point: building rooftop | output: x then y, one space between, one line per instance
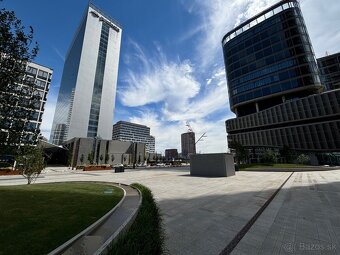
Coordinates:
262 16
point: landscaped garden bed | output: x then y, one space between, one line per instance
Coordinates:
146 234
37 218
97 167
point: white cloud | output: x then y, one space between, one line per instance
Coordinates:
322 20
159 80
168 135
219 17
212 99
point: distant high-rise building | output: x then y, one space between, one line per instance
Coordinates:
127 131
188 144
88 86
41 76
329 67
151 145
274 85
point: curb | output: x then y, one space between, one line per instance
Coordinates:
96 224
123 228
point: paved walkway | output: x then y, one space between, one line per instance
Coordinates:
202 215
304 218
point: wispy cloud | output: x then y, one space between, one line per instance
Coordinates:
159 80
174 96
217 18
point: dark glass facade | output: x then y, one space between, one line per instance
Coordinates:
274 85
329 67
98 82
269 59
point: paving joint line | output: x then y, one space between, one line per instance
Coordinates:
233 243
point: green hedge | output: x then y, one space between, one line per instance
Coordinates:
146 234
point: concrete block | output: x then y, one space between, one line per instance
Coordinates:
212 165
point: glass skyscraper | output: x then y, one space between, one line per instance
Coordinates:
330 71
274 85
269 59
87 93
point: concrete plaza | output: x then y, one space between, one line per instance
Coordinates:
202 215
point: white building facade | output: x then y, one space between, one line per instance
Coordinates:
88 87
131 132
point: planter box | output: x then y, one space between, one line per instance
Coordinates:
96 168
9 172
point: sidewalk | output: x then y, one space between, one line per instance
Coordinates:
304 218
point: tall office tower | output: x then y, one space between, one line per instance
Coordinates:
329 67
188 144
274 86
88 86
131 132
41 76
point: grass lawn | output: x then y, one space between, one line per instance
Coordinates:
37 218
267 165
145 236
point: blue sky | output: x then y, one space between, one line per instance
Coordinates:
171 65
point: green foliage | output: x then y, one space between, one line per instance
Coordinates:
112 158
101 158
38 218
81 158
287 154
269 156
303 159
90 157
30 162
240 152
17 103
106 158
146 235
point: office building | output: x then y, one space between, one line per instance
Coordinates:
127 131
41 77
274 85
171 154
151 145
87 151
329 67
88 86
188 144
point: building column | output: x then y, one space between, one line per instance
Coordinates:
257 107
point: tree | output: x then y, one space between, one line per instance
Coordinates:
82 158
269 156
241 153
90 157
302 159
101 158
287 154
30 163
17 102
112 158
106 158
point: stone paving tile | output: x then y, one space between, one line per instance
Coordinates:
305 221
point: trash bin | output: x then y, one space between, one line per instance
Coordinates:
119 169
